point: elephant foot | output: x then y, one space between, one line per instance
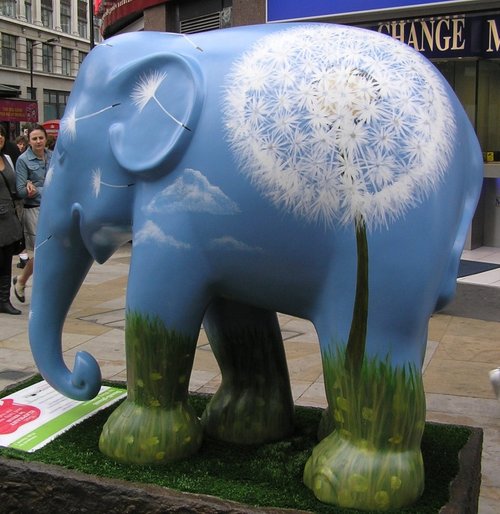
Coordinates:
351 474
248 417
138 434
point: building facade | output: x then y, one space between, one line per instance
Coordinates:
42 44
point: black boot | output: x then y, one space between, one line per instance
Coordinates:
5 306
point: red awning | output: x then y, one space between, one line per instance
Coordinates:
18 110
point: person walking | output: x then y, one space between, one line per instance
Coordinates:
10 226
31 169
22 144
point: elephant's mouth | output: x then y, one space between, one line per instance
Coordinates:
106 240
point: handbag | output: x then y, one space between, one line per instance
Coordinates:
18 246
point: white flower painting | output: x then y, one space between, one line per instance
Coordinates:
335 124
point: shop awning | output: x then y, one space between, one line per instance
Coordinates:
8 91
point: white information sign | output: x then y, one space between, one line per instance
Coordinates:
32 417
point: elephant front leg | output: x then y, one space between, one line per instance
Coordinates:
155 424
372 459
254 403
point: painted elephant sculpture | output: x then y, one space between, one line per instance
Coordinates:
322 171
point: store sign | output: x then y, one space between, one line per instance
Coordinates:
448 36
18 110
281 10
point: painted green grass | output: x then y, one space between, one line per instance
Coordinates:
254 402
373 459
266 475
155 423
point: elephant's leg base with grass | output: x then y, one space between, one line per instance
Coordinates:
372 458
254 403
155 424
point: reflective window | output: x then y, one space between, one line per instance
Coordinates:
54 103
82 18
9 54
477 85
488 107
66 61
8 8
47 58
47 14
66 16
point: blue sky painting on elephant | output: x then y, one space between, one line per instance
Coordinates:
258 170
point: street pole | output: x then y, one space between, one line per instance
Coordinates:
91 20
31 71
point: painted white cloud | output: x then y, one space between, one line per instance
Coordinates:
230 243
152 233
192 192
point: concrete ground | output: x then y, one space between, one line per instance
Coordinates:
461 351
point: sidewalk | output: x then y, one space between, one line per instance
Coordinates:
461 351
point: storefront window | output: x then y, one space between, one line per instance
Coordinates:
462 76
477 85
488 107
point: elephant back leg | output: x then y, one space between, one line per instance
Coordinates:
369 457
254 403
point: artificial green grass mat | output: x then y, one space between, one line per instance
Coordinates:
269 475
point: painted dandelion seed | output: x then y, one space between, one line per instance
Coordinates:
69 122
97 183
145 91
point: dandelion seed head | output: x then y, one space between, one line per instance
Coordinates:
68 123
48 176
146 88
96 182
359 142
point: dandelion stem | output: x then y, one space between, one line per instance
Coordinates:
356 343
172 117
115 185
192 43
97 112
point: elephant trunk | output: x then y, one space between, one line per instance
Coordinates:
61 265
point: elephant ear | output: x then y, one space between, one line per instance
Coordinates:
161 101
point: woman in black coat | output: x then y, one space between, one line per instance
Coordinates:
10 226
